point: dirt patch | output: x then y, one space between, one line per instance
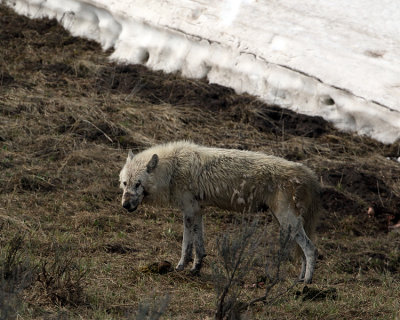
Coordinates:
356 187
135 79
280 122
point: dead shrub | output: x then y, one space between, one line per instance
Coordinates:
238 257
16 274
152 311
62 280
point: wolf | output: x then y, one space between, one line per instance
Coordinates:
188 176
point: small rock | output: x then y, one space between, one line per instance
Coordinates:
161 267
164 267
371 212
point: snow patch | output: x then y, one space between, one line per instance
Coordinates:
316 58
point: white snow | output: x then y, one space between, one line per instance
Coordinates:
337 59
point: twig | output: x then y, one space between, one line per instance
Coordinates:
220 309
273 299
276 277
99 130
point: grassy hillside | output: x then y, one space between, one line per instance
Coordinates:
69 250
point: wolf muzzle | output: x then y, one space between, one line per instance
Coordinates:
129 206
130 202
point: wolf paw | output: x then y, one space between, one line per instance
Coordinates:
195 272
179 267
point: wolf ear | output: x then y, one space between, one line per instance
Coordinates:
130 155
152 163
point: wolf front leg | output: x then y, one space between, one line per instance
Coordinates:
187 242
192 234
200 252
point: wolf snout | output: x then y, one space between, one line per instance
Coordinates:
129 206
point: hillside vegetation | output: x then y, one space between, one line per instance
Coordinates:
68 117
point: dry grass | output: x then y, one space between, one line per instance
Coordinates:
67 118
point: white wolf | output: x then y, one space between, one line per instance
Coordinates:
189 176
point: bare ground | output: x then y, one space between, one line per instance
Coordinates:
68 117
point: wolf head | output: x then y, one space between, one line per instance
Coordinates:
134 178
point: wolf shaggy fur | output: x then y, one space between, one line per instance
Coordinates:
188 176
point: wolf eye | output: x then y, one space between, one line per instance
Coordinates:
124 183
137 185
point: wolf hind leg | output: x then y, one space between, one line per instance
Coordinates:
309 252
310 255
292 223
303 268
